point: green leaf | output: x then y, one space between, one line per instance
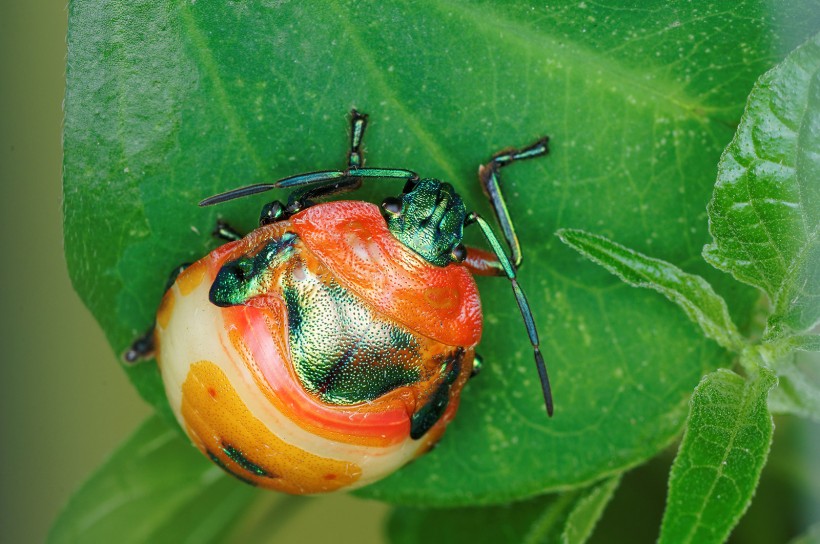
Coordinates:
155 488
168 102
798 387
692 293
568 518
587 511
727 440
765 212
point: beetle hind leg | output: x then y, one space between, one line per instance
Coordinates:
143 347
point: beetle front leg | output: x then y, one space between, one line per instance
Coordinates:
358 122
489 176
521 300
481 262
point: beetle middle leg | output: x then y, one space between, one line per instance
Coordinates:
489 176
223 231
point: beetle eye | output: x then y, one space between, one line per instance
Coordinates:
391 206
459 253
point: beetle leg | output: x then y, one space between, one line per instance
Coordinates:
481 262
478 365
325 177
355 159
521 299
224 231
489 176
299 200
143 347
271 213
358 122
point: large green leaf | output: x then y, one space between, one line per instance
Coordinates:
765 212
171 101
715 474
154 488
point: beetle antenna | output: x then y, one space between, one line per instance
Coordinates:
237 193
312 179
523 305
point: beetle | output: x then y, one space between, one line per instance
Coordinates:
329 347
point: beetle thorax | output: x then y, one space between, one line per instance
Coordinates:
430 221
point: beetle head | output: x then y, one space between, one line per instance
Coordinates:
429 219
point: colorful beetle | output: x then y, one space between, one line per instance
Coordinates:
329 347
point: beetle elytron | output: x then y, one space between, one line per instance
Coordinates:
329 347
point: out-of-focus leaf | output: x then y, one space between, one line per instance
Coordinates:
587 511
811 536
798 387
155 488
569 518
714 476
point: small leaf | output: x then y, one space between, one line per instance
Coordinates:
155 488
690 292
798 387
764 215
568 518
587 511
718 465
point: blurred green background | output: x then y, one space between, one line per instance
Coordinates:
64 402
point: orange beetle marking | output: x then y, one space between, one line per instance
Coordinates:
223 421
191 277
166 308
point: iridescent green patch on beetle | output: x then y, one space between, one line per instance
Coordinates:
239 458
227 469
341 349
249 276
430 221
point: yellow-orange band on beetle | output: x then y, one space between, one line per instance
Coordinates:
225 430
